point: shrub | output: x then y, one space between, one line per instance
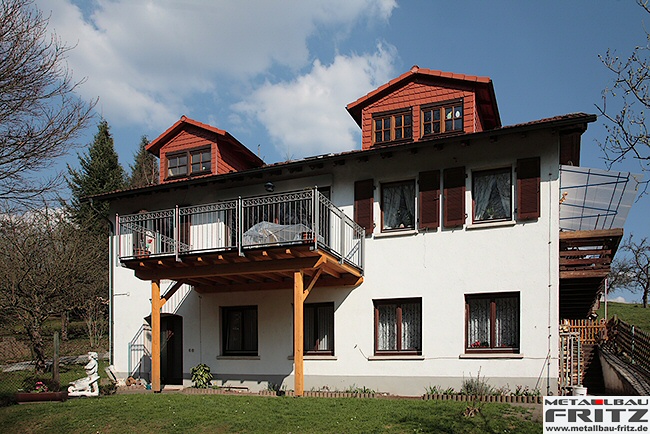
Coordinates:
107 387
362 389
201 376
476 386
438 390
34 383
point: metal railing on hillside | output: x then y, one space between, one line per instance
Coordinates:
630 342
298 217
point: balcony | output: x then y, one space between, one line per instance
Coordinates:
244 243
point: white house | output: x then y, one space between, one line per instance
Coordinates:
426 256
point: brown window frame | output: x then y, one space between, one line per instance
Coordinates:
311 349
247 348
442 122
500 170
392 129
200 152
472 347
173 156
398 319
410 182
188 154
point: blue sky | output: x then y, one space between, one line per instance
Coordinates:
278 74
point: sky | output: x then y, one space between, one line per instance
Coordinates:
278 75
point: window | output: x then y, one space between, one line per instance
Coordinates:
492 194
392 127
177 165
492 322
239 328
201 161
398 326
398 205
442 119
319 328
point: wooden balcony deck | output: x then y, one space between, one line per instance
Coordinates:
244 244
585 262
259 269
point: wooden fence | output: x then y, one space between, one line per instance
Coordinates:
631 342
590 331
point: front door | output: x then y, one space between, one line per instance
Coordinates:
171 349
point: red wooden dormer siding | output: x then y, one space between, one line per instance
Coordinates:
419 88
227 154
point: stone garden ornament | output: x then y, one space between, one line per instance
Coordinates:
88 386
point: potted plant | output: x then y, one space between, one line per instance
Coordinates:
41 392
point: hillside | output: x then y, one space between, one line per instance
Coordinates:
633 314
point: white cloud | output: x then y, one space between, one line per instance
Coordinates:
619 299
145 59
307 115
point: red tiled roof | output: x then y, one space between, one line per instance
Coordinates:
355 108
155 145
572 119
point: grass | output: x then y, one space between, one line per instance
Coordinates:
10 382
172 413
633 314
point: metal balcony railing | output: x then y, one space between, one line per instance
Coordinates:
298 217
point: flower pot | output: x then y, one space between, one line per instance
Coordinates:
141 253
22 397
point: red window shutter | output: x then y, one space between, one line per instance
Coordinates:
363 204
528 183
454 197
429 199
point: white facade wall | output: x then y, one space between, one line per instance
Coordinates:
440 267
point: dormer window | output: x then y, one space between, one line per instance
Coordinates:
200 163
392 127
443 118
177 165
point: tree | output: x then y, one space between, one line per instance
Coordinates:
40 113
144 171
100 172
632 272
45 267
626 124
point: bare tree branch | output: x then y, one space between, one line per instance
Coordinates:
40 114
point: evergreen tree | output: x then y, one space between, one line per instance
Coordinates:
100 172
144 171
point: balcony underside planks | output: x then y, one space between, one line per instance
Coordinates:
585 262
259 269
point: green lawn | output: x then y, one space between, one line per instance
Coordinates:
174 412
633 314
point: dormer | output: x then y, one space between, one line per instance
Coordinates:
191 149
423 104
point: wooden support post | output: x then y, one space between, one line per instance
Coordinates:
155 335
298 327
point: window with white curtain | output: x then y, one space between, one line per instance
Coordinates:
398 326
398 205
492 322
492 194
319 328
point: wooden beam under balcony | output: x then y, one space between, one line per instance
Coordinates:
585 262
267 269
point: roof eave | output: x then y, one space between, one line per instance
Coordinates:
571 121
